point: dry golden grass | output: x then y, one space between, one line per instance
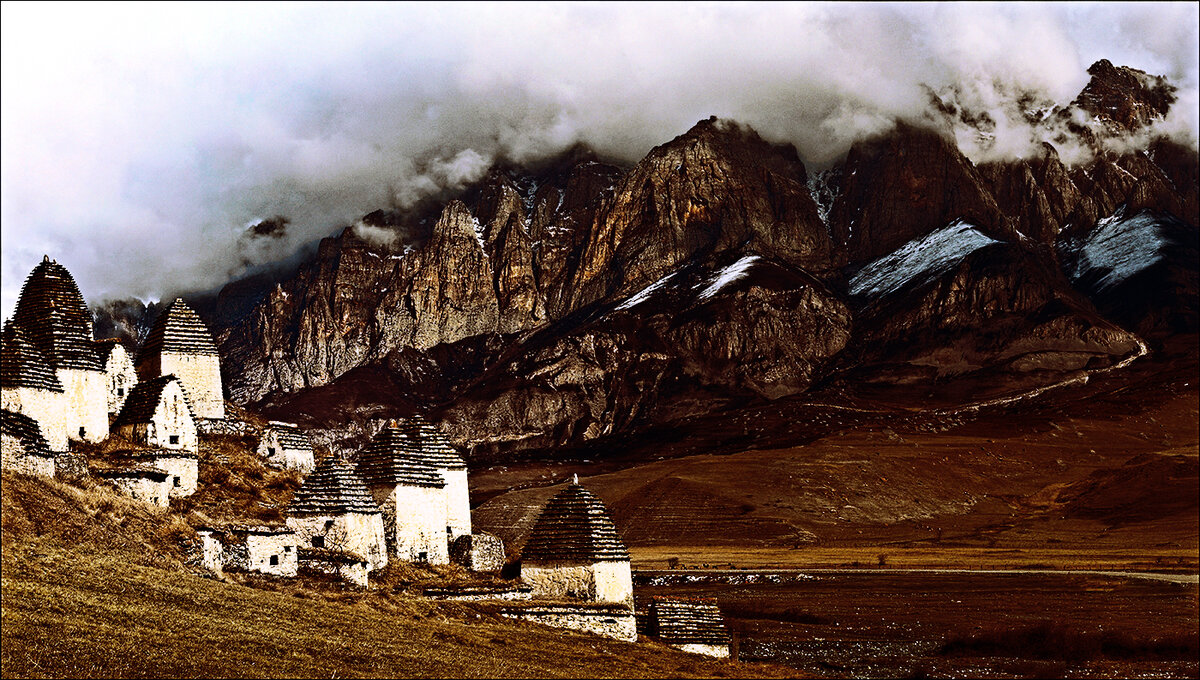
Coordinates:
103 617
98 585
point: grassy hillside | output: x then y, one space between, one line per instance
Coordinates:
1106 482
98 585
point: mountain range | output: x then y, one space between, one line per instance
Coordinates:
572 304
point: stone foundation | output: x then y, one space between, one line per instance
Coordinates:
346 566
613 622
719 651
480 593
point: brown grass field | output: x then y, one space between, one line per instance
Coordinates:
96 585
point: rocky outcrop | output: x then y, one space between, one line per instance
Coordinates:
719 187
751 329
904 184
556 305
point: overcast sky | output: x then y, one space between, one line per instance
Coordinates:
139 141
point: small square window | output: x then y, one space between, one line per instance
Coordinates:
449 530
318 541
270 450
287 548
274 560
422 556
120 391
177 484
82 431
174 439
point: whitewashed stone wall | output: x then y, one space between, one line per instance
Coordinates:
48 408
212 552
354 532
719 651
599 582
121 377
267 552
458 503
86 395
351 571
13 457
616 623
152 488
282 457
183 470
201 378
414 519
171 419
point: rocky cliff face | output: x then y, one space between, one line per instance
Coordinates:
566 303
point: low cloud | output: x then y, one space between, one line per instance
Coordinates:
138 150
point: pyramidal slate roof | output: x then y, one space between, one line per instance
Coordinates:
574 526
290 436
55 318
143 400
687 621
22 365
178 329
332 489
394 457
26 430
427 443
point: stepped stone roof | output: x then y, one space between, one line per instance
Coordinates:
55 318
143 401
393 457
332 489
574 527
26 430
687 621
427 443
22 365
178 329
105 347
290 436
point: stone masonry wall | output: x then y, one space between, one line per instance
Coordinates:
279 456
458 503
598 582
354 532
185 469
201 378
414 522
143 489
172 418
121 378
13 457
86 395
478 552
351 572
48 408
619 625
719 651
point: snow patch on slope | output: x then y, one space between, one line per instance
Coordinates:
645 293
727 276
933 253
1120 246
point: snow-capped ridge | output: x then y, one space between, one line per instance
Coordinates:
933 253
